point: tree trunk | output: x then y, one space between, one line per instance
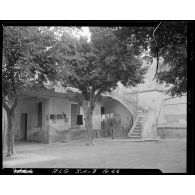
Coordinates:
10 133
88 114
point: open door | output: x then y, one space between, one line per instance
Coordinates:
23 126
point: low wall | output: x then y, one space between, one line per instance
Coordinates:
69 135
35 135
38 135
170 132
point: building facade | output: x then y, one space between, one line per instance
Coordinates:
144 112
49 116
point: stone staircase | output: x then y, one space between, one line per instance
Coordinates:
127 100
130 101
136 130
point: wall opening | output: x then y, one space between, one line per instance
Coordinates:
102 110
75 110
39 114
23 126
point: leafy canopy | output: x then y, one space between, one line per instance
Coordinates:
27 59
172 43
170 38
97 66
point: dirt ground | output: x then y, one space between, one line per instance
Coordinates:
166 155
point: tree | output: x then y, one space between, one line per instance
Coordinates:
171 38
96 67
167 40
27 63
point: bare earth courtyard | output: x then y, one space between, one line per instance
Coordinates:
166 155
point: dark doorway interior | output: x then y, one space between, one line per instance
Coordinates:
39 114
23 126
75 110
102 110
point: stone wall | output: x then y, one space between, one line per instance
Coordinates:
169 132
173 111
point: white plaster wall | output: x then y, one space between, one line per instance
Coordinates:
173 106
175 109
29 106
96 120
111 106
149 130
114 106
150 99
59 106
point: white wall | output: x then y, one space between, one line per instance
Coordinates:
114 106
29 106
150 99
175 107
59 106
96 120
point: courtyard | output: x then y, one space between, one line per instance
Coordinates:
167 155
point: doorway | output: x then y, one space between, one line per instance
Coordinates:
39 114
102 110
75 110
23 126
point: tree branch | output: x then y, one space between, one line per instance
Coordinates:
156 47
98 95
13 84
14 105
92 97
5 105
124 62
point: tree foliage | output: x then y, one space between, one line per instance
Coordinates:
27 63
170 40
97 66
172 44
25 54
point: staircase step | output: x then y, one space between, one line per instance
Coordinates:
135 134
137 130
134 137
